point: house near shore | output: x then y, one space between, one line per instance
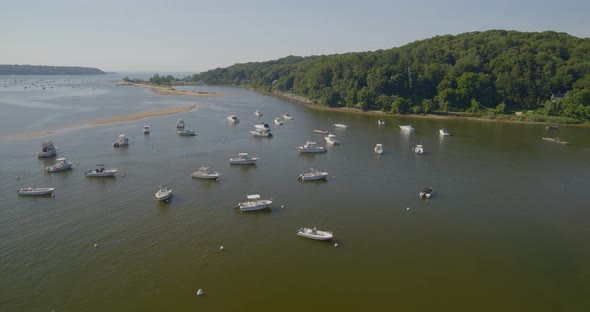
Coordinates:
557 96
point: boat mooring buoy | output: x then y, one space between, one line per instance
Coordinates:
221 247
282 206
335 244
199 292
408 208
95 245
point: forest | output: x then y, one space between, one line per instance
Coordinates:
489 74
48 70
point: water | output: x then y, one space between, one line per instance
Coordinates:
506 230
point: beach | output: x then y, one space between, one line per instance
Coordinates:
170 90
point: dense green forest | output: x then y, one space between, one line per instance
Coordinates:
48 70
479 73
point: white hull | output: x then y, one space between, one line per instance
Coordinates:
288 117
35 191
47 154
187 133
253 206
313 176
311 150
206 176
164 195
233 118
265 134
320 131
104 173
278 122
343 126
406 128
239 161
58 168
315 234
378 149
444 132
331 139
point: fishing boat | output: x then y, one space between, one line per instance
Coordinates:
331 139
381 122
258 113
260 133
206 173
315 234
263 126
243 159
187 132
254 203
378 149
61 164
444 132
122 140
320 131
418 149
35 191
47 149
287 117
100 171
163 194
311 147
233 118
555 140
426 192
552 127
180 123
406 128
343 126
313 175
278 122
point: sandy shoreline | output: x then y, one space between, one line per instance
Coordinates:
171 90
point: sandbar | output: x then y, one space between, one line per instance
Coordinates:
171 91
167 111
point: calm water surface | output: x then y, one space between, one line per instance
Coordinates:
507 228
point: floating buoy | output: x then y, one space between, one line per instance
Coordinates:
282 206
335 244
95 245
199 292
122 175
52 195
18 178
221 247
408 208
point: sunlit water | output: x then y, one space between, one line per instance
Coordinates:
506 230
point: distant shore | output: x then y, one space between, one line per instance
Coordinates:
170 90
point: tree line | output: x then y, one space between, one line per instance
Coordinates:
48 70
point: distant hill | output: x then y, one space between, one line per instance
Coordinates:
495 71
48 70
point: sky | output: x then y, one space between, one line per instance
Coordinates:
193 36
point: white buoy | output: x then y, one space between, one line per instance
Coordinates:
408 208
122 175
95 245
335 244
199 292
52 195
221 247
282 206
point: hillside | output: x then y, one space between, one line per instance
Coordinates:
48 70
495 71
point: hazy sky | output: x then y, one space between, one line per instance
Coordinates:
176 35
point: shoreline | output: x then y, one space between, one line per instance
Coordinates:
170 90
311 105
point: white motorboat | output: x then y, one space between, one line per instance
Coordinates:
378 149
406 128
260 133
418 149
313 175
243 159
311 147
444 132
61 164
206 173
146 129
180 123
343 126
315 234
254 203
287 117
35 191
233 118
381 122
47 149
262 127
426 192
258 113
331 139
555 140
187 132
100 171
320 131
278 122
164 193
122 140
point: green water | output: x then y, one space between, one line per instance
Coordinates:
506 230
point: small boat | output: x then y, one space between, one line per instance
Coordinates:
164 193
315 234
187 132
180 123
552 128
100 171
233 118
278 122
381 122
313 175
406 128
47 149
243 159
555 140
262 127
444 132
122 140
206 173
61 164
35 191
260 133
287 117
146 129
378 149
426 192
311 147
254 203
418 149
258 113
319 131
331 139
340 126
